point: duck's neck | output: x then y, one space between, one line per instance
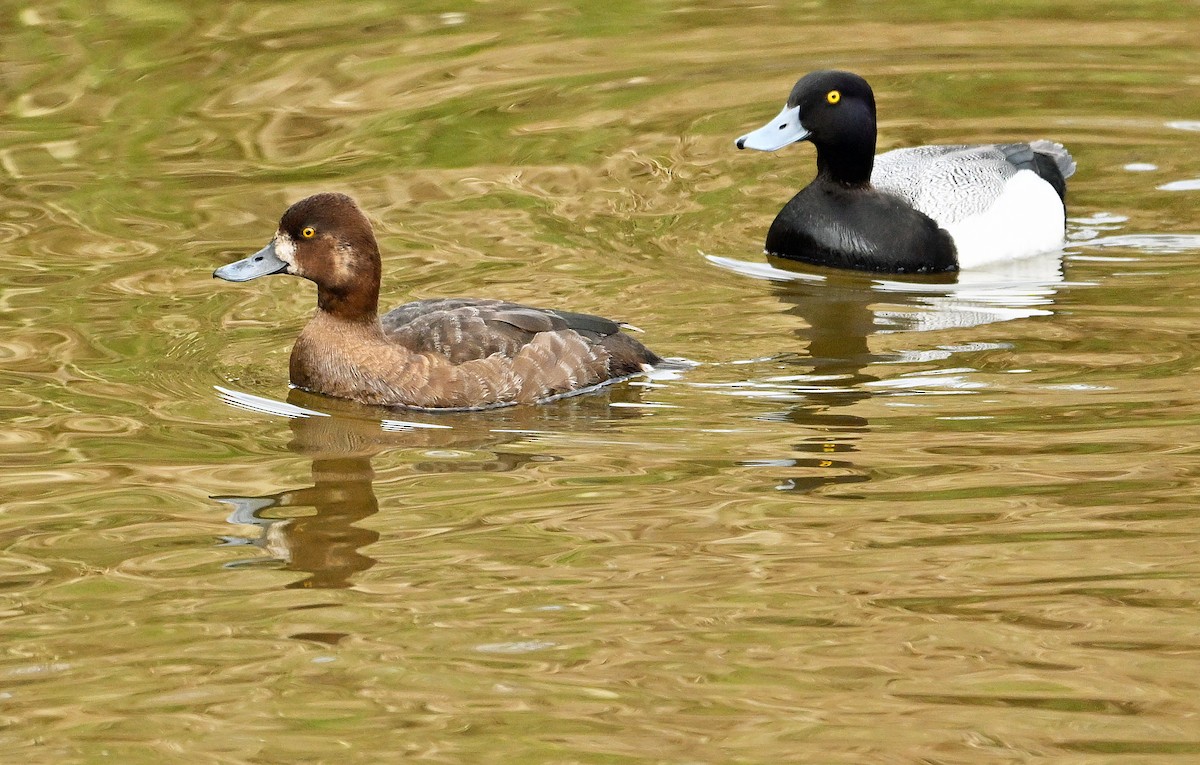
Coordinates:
363 326
847 164
355 305
849 157
348 283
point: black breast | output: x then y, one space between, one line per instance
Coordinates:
855 227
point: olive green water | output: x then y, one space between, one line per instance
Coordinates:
884 521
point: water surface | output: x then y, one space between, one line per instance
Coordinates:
885 520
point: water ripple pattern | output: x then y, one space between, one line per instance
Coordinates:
934 519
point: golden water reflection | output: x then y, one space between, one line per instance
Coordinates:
316 529
884 520
836 366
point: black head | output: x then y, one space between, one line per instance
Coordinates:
834 105
835 111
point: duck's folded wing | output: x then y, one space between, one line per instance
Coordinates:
953 183
461 329
609 351
947 183
398 317
593 327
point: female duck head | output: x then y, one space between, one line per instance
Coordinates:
326 239
836 112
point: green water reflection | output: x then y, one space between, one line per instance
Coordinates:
883 521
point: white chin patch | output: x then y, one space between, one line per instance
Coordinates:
285 250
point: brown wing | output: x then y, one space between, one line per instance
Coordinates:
462 329
491 346
457 329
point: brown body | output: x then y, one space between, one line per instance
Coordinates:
457 353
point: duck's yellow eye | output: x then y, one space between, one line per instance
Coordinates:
833 96
309 232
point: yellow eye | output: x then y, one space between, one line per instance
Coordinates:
833 96
309 232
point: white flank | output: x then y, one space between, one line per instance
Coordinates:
1026 219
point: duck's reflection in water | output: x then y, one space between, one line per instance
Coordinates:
313 529
842 311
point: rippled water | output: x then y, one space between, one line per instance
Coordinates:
885 520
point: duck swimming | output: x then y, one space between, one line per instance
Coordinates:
918 210
450 353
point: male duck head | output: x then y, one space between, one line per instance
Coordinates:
326 239
833 110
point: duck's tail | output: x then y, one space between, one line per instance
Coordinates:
1054 163
1057 152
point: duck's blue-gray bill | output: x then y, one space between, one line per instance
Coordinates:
779 132
262 263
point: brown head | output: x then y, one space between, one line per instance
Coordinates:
326 239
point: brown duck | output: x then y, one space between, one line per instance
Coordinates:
449 353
